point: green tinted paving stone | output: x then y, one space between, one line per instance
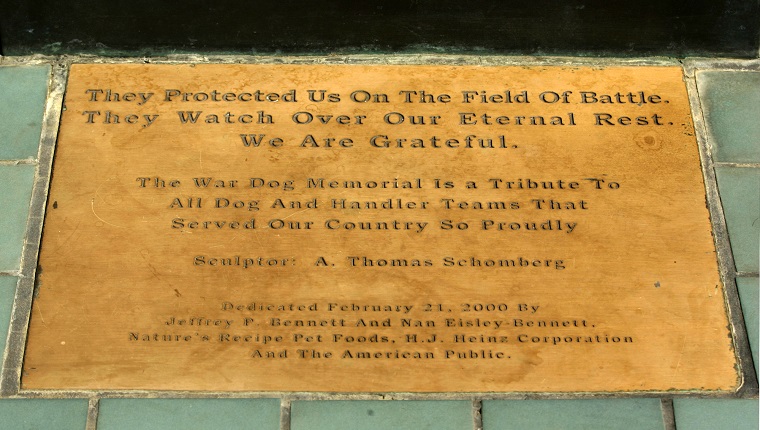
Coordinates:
748 293
189 414
7 291
731 102
22 102
609 414
740 195
704 414
37 414
381 415
16 183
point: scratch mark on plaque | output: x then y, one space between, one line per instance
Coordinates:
296 213
258 239
177 293
39 311
152 269
92 205
680 356
68 238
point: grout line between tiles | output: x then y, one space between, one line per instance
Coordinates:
740 165
93 410
668 414
477 414
285 408
20 162
693 64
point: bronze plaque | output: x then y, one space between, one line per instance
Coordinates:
378 228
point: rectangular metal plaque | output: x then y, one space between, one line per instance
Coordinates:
378 228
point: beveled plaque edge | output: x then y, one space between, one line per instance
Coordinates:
748 384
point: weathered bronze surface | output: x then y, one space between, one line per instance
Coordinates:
378 228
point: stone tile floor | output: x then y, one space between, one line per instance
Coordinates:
729 93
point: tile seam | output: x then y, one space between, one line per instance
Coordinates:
10 273
19 162
747 274
285 413
722 64
477 414
747 386
10 379
738 165
668 414
93 410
